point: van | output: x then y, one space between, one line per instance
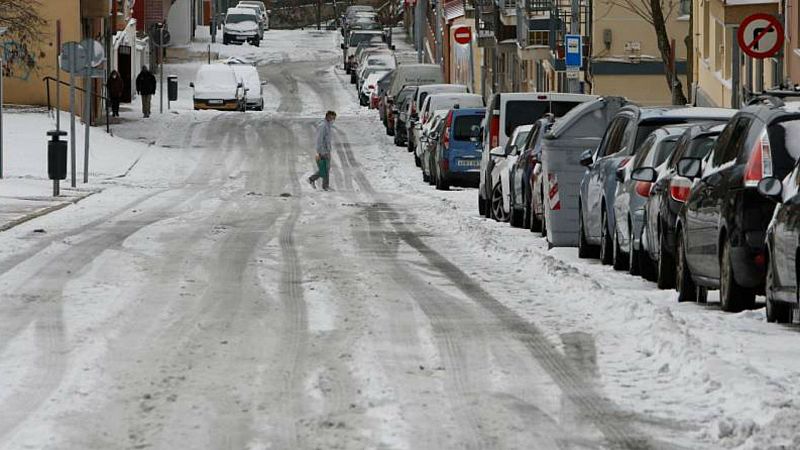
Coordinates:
507 111
414 75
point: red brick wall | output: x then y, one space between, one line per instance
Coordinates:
150 11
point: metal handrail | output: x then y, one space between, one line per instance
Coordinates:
47 81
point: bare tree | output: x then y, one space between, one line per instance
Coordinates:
656 12
25 29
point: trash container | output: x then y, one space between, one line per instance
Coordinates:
172 87
56 155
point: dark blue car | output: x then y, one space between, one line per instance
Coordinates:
458 155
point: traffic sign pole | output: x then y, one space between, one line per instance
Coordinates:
736 83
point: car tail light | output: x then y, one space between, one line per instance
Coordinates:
679 189
446 135
494 132
760 163
643 188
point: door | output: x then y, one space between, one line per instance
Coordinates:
610 146
124 69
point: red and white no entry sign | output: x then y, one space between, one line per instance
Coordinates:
463 35
760 35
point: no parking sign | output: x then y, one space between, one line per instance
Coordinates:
760 35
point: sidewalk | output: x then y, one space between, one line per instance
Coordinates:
26 192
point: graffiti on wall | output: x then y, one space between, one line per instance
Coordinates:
18 60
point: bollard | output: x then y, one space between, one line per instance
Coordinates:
56 158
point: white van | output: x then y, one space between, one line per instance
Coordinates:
414 75
253 86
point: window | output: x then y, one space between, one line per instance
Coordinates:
539 38
613 138
685 7
523 113
642 153
784 140
719 47
731 141
462 128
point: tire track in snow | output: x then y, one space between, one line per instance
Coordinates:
576 386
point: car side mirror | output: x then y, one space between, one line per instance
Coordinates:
690 168
771 188
587 158
498 151
647 174
191 84
342 46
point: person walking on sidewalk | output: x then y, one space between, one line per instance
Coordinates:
324 152
116 87
146 87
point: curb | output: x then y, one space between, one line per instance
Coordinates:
43 212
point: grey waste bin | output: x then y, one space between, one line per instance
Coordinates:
580 129
172 87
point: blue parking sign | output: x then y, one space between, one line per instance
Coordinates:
574 53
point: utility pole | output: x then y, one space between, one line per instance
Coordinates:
213 26
319 15
161 70
736 66
2 68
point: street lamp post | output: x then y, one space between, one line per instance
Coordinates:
2 67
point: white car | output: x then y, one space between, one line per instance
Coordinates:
505 157
241 25
263 11
370 85
443 101
216 87
253 86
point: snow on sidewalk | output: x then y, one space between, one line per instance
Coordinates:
26 191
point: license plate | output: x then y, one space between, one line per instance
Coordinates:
469 163
215 102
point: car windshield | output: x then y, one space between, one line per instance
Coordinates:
462 126
238 18
784 140
357 38
215 79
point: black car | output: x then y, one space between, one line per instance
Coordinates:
721 230
667 195
522 171
400 112
782 246
630 127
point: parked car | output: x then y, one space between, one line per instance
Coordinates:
507 111
253 86
216 87
264 11
431 133
363 48
373 61
632 191
415 112
240 26
353 40
458 156
384 110
262 17
369 87
521 174
411 75
400 107
436 102
667 196
783 246
630 127
721 230
500 209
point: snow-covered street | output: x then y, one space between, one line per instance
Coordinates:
207 297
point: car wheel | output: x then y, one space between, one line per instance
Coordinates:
543 228
516 217
417 162
389 131
526 216
634 257
777 311
606 252
441 184
410 144
688 291
584 249
498 210
665 266
619 258
481 206
732 296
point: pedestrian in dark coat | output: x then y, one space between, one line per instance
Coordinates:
146 88
116 89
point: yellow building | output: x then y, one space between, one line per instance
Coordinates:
715 35
625 57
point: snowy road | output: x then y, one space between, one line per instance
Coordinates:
212 299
